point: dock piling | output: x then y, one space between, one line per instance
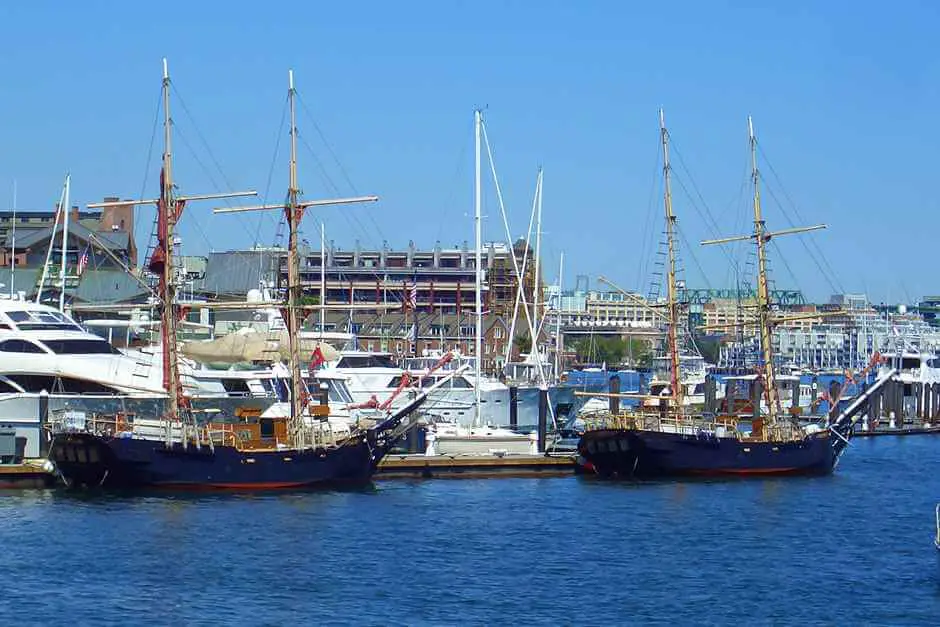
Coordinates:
543 417
613 399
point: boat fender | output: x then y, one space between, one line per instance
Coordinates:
320 452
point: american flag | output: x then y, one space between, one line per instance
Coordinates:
83 261
413 295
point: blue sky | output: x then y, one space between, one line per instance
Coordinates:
844 97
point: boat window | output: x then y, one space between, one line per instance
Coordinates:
19 346
42 320
8 387
235 387
366 361
910 363
454 383
81 347
266 427
338 392
63 385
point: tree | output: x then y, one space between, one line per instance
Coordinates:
613 351
710 347
522 342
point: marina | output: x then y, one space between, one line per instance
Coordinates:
421 316
883 493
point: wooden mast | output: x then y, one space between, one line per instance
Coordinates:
765 317
675 379
294 209
169 208
763 291
294 215
169 215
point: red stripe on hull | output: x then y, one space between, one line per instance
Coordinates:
273 485
756 471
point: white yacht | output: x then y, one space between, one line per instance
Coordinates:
50 363
691 377
916 368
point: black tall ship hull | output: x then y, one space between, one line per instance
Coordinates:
93 460
87 460
640 454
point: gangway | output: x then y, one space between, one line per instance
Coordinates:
850 415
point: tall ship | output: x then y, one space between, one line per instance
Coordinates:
178 450
674 442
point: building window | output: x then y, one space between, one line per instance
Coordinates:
498 333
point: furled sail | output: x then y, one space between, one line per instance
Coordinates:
248 345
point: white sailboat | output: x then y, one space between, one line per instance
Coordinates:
450 437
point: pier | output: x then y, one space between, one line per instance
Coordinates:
26 476
474 466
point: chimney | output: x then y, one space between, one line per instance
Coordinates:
74 215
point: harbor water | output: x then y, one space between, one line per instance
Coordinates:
854 548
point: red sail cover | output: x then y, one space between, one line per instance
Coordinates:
317 359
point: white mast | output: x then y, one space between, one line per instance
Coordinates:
13 246
65 239
561 271
533 349
478 270
322 278
45 266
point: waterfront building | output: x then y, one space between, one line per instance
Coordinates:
443 277
100 246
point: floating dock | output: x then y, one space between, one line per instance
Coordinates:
26 476
896 431
474 466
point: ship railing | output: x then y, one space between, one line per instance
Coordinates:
319 435
94 423
726 426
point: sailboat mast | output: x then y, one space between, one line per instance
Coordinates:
13 247
675 382
558 346
293 271
537 282
763 291
65 238
168 281
322 278
478 270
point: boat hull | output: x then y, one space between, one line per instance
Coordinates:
626 453
88 460
483 445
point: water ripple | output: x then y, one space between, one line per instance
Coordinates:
854 548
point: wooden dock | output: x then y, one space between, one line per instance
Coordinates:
896 432
474 466
26 476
